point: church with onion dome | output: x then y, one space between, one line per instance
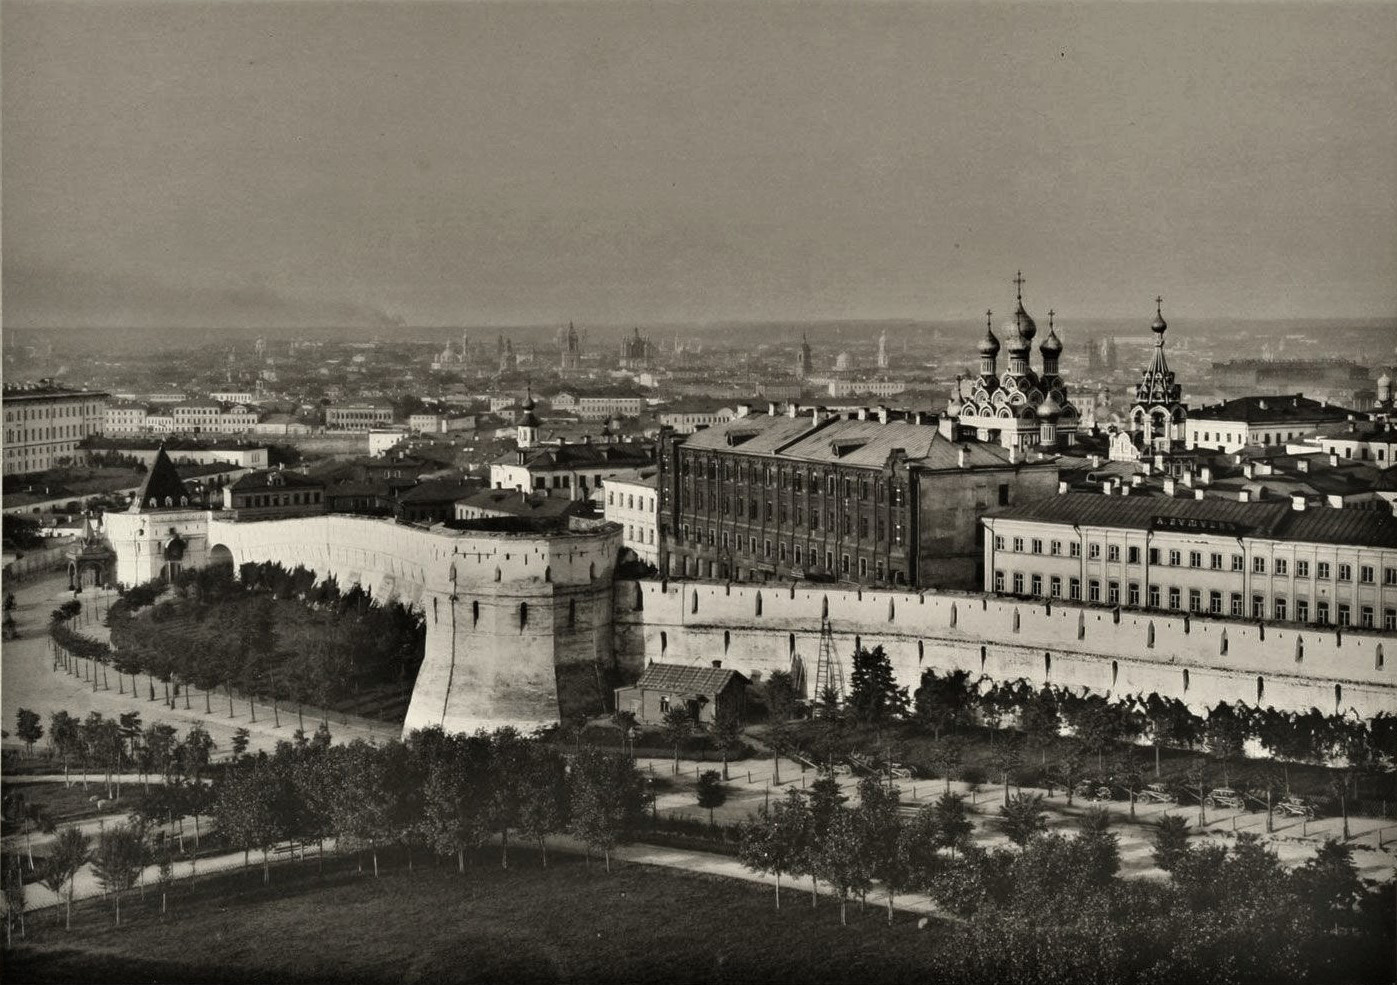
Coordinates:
1018 407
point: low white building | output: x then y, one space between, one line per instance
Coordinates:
382 440
1269 420
687 422
633 503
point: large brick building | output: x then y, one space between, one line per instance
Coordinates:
864 498
45 423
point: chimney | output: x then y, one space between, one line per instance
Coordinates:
1244 496
1261 403
1105 487
1096 461
1302 465
1062 487
1013 454
1334 461
1137 479
1249 470
1297 503
717 665
882 415
960 457
1187 478
791 409
1205 475
770 408
1169 485
743 410
863 413
916 417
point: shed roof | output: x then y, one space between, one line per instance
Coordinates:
696 680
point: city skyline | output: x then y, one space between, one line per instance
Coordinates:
444 164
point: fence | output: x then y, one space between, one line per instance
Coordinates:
35 562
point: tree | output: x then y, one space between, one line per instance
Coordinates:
508 758
29 728
1128 774
241 738
711 793
542 796
1006 755
164 871
874 697
118 859
1098 723
1069 770
840 859
775 841
677 726
1226 733
65 736
1040 721
947 755
1022 817
1169 722
12 882
1329 881
607 796
944 702
457 797
726 729
879 821
1170 841
68 853
781 694
953 824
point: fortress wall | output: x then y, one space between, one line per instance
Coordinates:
1066 645
139 540
510 617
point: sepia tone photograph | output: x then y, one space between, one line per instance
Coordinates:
733 491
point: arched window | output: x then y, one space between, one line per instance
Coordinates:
1185 681
792 642
592 572
547 572
984 655
824 607
498 575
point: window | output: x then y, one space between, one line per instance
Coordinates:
1278 608
1074 589
1389 620
1154 555
1322 612
1094 590
1093 552
1302 569
1258 565
1258 607
797 552
863 567
1037 546
1036 586
664 702
1055 587
1174 558
1366 574
1074 549
1132 555
1173 597
1215 561
1018 583
844 564
999 581
1018 545
1055 549
1345 614
998 542
1154 597
1282 566
1195 600
1389 576
1365 617
1113 552
1113 593
1302 610
1195 559
1322 570
1346 572
1004 494
1237 562
1215 603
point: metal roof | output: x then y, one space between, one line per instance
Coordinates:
1267 520
691 680
1279 409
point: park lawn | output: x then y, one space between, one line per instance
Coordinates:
73 803
529 924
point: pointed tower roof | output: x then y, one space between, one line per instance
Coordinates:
163 488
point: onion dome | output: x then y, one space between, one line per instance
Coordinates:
1049 409
989 345
1015 340
1052 345
1159 325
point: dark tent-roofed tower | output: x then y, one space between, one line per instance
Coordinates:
163 488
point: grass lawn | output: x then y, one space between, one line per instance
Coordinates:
528 924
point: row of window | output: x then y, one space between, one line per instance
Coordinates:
843 525
280 499
1215 604
613 498
51 413
1324 570
13 435
702 567
637 534
794 480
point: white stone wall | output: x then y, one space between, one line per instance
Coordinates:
1200 661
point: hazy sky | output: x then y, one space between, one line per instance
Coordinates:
449 163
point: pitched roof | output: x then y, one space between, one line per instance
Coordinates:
514 503
1279 409
1267 520
162 489
275 478
695 680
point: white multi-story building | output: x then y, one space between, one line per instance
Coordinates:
45 423
233 396
236 420
1374 442
876 388
124 418
197 415
1269 420
1282 561
600 408
364 415
632 503
685 422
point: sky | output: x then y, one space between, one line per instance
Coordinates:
453 164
